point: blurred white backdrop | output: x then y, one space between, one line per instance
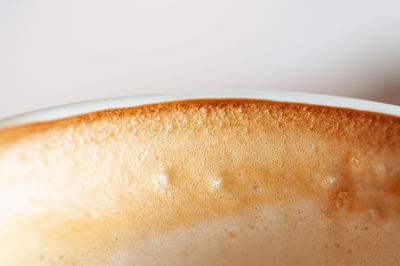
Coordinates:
55 52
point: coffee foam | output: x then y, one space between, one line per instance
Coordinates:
170 180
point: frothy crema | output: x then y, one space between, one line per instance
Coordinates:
216 182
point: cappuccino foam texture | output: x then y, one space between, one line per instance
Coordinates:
216 182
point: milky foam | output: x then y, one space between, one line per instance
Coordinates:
234 181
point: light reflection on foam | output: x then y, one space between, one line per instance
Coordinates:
215 184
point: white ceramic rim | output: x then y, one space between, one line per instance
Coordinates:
68 110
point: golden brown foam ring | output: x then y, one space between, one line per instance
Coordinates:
321 119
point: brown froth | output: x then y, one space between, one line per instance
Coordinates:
179 180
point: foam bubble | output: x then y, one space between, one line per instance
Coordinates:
214 184
355 160
329 181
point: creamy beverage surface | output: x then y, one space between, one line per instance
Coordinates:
203 182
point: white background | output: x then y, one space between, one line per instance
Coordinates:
55 52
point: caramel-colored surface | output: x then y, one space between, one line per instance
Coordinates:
231 181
